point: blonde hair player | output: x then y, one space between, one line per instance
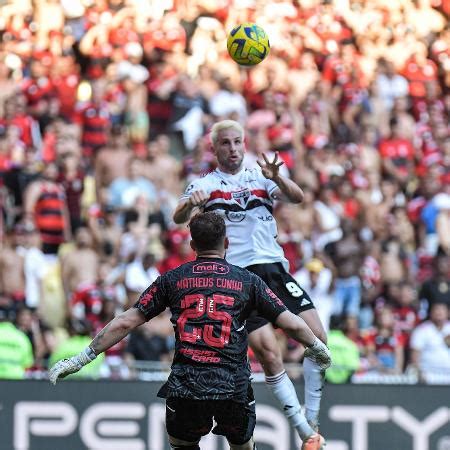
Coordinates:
245 198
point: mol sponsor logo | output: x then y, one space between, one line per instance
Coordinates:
218 268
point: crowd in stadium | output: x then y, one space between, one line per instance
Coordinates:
105 108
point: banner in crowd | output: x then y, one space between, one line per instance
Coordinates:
127 415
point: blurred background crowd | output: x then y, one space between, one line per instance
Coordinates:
105 108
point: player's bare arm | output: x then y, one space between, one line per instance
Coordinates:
117 329
112 333
288 189
185 208
297 328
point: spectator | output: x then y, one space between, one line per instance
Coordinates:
15 347
151 342
80 265
437 289
79 338
35 265
199 162
405 311
443 221
178 250
344 353
397 153
112 161
27 322
88 301
45 207
430 345
385 345
161 168
317 280
141 273
327 218
390 84
124 191
346 257
94 118
289 236
105 230
71 178
12 270
188 107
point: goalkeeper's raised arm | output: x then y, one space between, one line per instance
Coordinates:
112 333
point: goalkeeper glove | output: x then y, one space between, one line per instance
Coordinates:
319 353
71 365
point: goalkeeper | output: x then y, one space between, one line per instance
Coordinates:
210 301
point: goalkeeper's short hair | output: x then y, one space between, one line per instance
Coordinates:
208 231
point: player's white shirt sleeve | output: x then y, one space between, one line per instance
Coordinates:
269 185
195 185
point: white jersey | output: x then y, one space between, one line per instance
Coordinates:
245 201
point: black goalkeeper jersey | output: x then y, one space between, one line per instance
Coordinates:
210 300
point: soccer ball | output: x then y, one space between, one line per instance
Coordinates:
248 44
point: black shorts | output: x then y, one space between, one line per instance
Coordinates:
189 420
284 286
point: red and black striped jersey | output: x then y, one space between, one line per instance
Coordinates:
49 214
95 120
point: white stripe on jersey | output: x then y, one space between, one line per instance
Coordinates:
245 201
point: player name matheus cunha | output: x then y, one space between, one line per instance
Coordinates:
202 282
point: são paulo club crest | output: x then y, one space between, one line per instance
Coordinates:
241 197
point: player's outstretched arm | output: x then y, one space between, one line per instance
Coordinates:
297 328
112 333
184 209
288 190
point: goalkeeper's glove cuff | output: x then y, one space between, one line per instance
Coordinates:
86 356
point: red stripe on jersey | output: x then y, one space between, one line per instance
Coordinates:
228 195
47 223
220 194
260 193
49 203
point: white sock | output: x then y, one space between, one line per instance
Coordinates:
314 377
284 391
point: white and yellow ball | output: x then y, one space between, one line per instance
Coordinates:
248 44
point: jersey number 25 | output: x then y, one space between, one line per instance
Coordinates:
195 306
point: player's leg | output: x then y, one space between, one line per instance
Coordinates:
263 341
298 301
314 376
186 422
264 344
179 444
236 421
